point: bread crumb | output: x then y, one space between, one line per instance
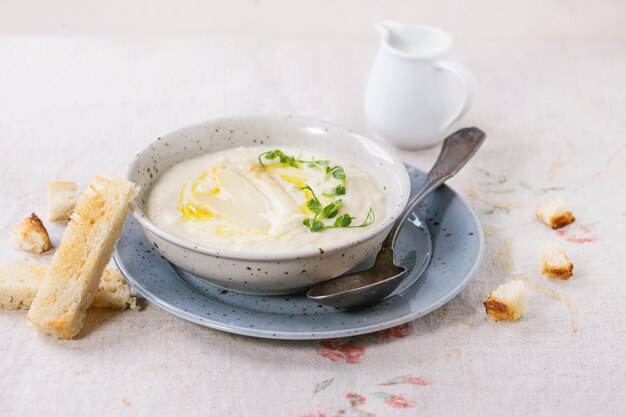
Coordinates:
555 215
62 199
508 301
31 235
554 261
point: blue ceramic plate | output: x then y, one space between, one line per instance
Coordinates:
453 237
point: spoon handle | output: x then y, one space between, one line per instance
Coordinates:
457 149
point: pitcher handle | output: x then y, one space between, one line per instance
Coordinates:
468 83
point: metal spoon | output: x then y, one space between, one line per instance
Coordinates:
368 287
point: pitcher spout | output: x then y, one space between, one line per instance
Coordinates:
414 41
386 28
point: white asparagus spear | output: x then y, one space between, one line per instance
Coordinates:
280 200
242 191
231 211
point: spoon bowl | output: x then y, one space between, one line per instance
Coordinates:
364 288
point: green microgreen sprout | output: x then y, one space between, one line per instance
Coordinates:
280 155
321 212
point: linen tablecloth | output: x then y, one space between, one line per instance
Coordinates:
555 115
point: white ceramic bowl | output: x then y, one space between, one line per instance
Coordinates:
258 272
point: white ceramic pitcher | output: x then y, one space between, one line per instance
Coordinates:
414 93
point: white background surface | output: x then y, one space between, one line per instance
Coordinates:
580 20
84 85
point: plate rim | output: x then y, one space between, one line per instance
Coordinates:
321 334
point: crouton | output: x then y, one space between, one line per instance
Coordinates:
508 301
31 235
61 200
555 215
554 261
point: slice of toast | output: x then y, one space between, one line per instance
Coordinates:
19 285
113 291
554 261
555 215
31 235
74 275
61 200
508 301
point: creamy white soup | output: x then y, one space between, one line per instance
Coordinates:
265 200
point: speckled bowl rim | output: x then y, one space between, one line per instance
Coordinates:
404 179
